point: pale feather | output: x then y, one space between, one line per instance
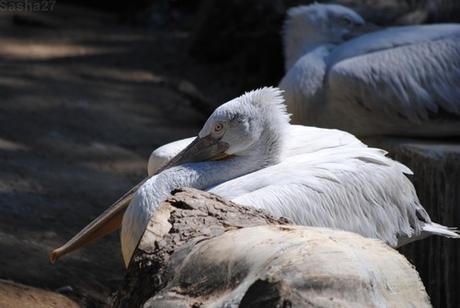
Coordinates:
350 188
328 178
414 80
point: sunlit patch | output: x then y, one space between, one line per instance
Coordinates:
11 146
18 50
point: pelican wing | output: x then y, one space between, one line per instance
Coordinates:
299 139
306 139
351 188
411 73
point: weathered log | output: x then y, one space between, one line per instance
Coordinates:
436 167
185 219
201 250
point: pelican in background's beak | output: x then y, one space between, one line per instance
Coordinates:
202 148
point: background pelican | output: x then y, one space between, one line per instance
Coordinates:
322 178
398 81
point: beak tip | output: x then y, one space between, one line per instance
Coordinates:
53 256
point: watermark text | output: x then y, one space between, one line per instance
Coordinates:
27 5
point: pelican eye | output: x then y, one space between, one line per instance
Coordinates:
346 21
218 127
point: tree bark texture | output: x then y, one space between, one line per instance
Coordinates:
200 250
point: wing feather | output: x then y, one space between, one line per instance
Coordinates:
356 189
414 81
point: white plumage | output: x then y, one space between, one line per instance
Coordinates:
317 177
397 81
248 152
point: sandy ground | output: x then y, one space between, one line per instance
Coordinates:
80 111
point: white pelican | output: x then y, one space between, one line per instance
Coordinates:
248 152
396 81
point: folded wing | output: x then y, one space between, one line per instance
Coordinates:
410 73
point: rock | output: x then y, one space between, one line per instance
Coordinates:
436 167
14 295
201 250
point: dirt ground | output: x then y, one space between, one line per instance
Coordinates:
14 295
81 108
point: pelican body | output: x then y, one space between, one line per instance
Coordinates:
248 152
341 73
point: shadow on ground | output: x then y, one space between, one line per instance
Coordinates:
81 108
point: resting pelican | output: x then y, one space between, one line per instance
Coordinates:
248 152
398 81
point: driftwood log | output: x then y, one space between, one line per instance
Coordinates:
200 250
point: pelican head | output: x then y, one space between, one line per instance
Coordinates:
250 125
241 136
249 128
317 24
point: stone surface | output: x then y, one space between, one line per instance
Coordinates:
203 251
436 167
